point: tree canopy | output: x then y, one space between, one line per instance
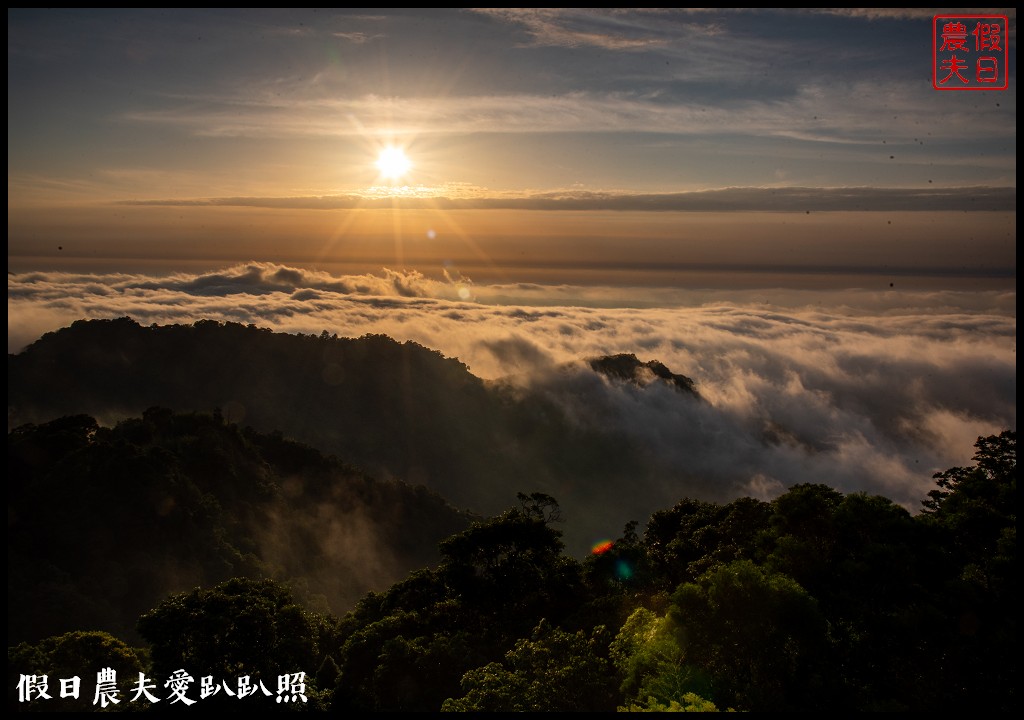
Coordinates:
812 601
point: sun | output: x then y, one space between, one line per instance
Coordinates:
393 163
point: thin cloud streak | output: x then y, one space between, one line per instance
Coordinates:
554 26
828 113
773 199
908 13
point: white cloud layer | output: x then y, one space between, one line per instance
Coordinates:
864 391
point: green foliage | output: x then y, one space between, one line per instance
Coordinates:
803 532
758 634
974 515
988 481
510 565
105 522
812 601
241 627
79 654
416 673
642 648
977 502
815 600
647 654
694 536
408 648
552 671
691 702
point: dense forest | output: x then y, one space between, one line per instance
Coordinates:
103 522
175 555
392 409
813 601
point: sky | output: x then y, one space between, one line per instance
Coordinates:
776 203
228 134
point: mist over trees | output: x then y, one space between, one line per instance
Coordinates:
395 410
181 538
103 522
813 601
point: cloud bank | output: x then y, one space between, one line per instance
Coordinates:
864 391
773 199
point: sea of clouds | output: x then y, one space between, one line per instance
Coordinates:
863 390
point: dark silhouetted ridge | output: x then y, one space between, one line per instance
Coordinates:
626 366
392 409
104 522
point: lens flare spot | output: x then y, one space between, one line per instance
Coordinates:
623 570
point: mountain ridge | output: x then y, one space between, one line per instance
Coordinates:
105 522
394 409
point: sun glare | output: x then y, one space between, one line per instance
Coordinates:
393 163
